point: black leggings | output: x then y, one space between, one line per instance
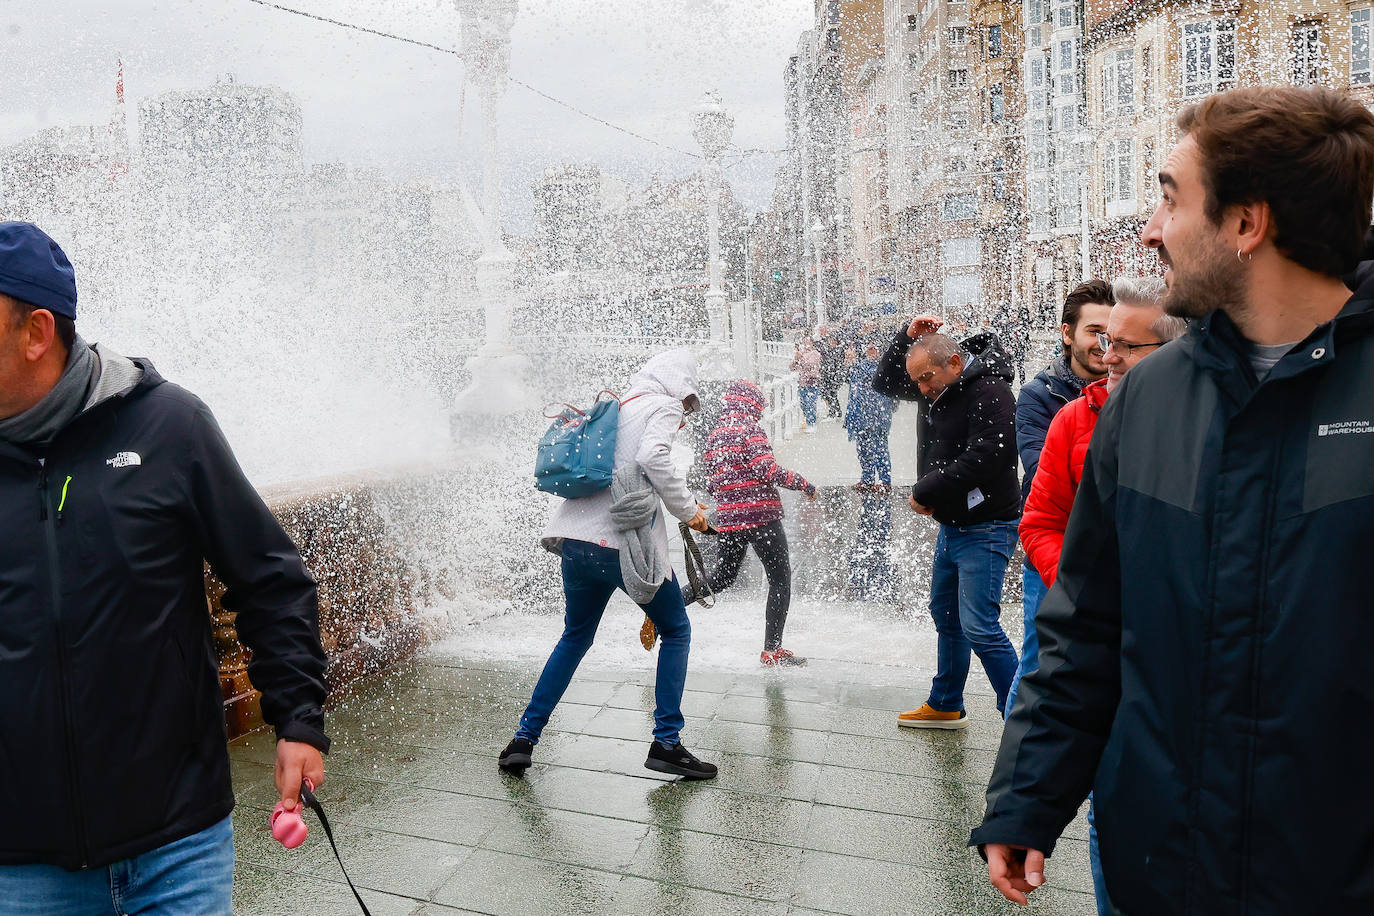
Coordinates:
770 544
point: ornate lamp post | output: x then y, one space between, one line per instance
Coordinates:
498 372
712 127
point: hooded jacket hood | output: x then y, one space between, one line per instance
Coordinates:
744 397
988 358
672 373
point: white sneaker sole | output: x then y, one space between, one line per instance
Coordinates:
961 722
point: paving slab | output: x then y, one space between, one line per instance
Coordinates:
823 804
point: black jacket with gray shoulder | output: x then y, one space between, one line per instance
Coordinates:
111 720
1207 653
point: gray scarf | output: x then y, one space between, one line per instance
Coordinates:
36 427
1064 370
634 512
93 374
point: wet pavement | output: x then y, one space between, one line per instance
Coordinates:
822 805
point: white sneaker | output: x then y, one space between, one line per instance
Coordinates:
809 429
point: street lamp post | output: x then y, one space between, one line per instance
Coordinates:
499 374
712 127
817 232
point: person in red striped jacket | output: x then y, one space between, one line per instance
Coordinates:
743 479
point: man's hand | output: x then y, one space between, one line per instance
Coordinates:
296 761
698 522
1015 870
813 495
922 325
918 508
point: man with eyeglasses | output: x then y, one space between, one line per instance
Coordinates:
1136 327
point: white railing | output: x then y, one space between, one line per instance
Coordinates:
783 418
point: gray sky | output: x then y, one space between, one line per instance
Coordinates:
370 101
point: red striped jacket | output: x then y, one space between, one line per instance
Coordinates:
742 474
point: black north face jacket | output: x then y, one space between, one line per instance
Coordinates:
967 464
1207 653
111 722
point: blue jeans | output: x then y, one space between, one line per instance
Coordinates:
193 876
966 604
591 574
875 458
1033 592
808 403
1104 906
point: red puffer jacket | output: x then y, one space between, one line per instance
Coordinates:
1056 482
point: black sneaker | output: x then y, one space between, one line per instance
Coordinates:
678 761
517 757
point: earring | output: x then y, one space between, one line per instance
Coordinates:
1245 260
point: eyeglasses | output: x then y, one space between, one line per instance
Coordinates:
1125 349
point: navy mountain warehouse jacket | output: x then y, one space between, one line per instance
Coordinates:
1207 653
967 438
111 722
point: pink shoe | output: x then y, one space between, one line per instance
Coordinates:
780 658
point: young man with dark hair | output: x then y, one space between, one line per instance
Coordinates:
1206 646
1086 310
117 488
968 484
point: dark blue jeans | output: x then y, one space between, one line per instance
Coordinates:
875 457
1033 592
193 876
966 604
809 396
591 574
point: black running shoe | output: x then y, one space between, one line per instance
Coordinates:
678 761
517 757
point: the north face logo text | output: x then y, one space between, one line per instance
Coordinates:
124 460
1348 428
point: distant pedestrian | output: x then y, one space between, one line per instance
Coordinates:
832 373
868 420
806 362
743 478
598 536
970 489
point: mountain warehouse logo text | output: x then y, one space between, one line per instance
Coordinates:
1348 428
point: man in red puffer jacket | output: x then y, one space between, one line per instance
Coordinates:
743 479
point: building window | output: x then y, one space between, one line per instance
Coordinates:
1118 170
1035 12
1309 54
957 119
1209 57
958 79
1147 77
997 108
1068 14
963 252
1118 84
956 165
1039 206
1066 68
994 41
913 24
915 99
914 61
963 205
1038 145
999 178
958 36
961 291
1359 47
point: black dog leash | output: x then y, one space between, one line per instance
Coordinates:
696 568
313 804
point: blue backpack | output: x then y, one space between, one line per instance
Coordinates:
576 455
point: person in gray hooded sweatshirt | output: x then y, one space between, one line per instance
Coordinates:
617 538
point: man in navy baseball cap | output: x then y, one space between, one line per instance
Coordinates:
116 487
34 269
